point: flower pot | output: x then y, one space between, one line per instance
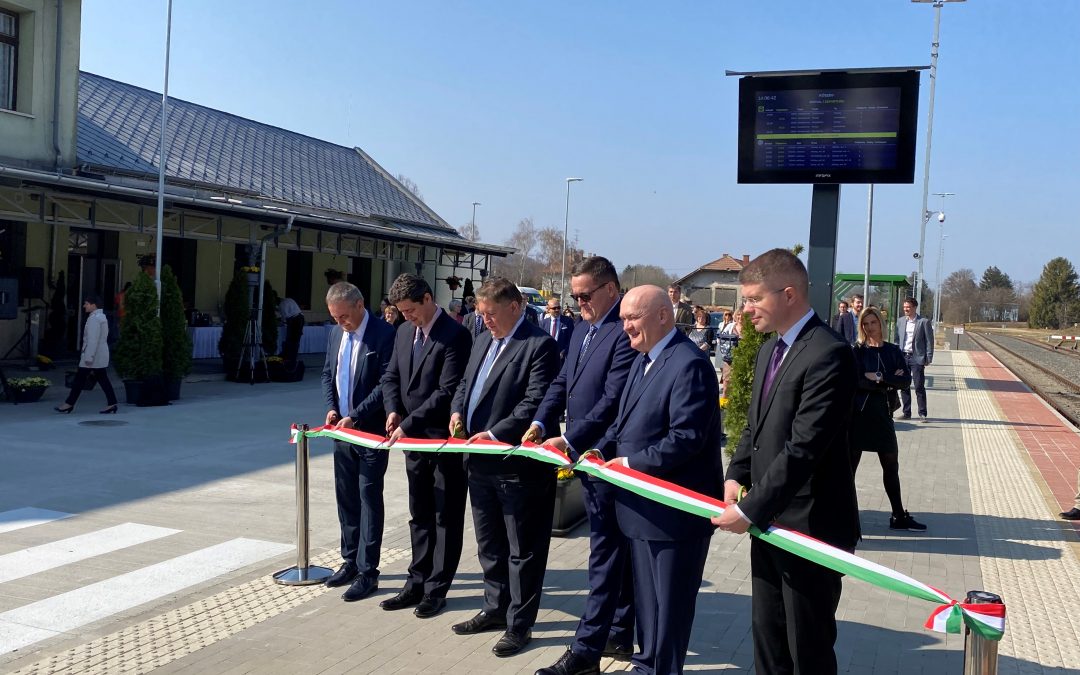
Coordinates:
28 395
569 506
132 391
172 388
152 392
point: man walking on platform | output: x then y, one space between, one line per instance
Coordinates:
357 354
915 336
793 458
588 389
513 498
668 426
430 353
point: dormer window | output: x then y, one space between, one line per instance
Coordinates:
9 47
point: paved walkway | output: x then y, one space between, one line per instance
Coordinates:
202 494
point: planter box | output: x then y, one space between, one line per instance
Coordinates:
132 391
569 507
30 395
172 388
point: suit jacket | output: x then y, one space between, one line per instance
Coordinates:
469 322
562 336
922 347
684 317
668 426
372 358
95 351
793 454
589 391
844 325
512 392
421 392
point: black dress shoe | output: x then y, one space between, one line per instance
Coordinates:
429 607
401 601
360 589
511 643
571 664
344 575
618 651
1071 514
481 623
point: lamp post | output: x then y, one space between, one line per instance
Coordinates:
924 215
473 221
162 159
566 225
941 253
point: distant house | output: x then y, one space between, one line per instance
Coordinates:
715 284
79 186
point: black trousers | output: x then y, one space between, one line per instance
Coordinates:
437 488
609 609
101 376
512 517
667 576
793 613
358 485
294 329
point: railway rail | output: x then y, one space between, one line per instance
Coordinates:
1053 375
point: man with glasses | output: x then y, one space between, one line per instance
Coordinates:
513 498
557 326
587 390
792 467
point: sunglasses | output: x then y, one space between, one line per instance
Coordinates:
586 297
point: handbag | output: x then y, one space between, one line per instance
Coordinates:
891 395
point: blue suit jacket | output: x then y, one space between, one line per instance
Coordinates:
562 335
669 427
371 361
589 391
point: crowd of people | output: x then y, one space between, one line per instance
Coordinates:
631 378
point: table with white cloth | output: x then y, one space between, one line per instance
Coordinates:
204 340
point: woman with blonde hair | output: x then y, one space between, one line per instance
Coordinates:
881 371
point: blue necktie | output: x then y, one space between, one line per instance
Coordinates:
641 373
481 378
417 347
585 344
479 325
344 376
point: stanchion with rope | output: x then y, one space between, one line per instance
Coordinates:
304 573
981 654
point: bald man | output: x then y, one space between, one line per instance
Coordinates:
668 426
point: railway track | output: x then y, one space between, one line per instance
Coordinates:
1055 378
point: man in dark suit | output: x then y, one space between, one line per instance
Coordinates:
513 498
357 354
474 323
668 427
430 353
793 458
844 323
682 311
915 336
559 327
588 389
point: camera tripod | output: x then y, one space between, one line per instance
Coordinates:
252 352
25 343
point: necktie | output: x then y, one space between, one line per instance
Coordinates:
478 325
344 376
417 345
555 327
481 378
774 367
585 344
645 360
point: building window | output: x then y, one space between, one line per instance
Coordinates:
298 277
9 46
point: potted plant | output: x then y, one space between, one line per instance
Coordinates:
569 503
176 343
453 281
27 389
138 356
740 382
269 326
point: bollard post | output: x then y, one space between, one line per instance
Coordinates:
980 654
303 574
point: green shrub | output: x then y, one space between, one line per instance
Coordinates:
139 350
740 381
176 352
269 319
237 313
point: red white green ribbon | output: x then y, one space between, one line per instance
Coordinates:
986 620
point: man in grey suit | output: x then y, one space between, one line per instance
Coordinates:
683 313
513 498
915 336
357 354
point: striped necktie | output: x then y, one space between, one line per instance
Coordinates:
585 345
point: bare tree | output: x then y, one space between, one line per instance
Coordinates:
470 231
410 185
524 240
640 275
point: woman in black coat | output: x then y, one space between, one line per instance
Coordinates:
881 368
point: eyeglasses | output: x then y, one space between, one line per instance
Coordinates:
750 301
586 297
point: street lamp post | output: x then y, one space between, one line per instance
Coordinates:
566 226
924 215
941 253
472 222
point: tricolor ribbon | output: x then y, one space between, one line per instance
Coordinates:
986 620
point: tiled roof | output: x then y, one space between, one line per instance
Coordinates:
724 263
118 130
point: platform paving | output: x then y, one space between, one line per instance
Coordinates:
987 474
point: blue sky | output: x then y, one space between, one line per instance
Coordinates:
498 102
